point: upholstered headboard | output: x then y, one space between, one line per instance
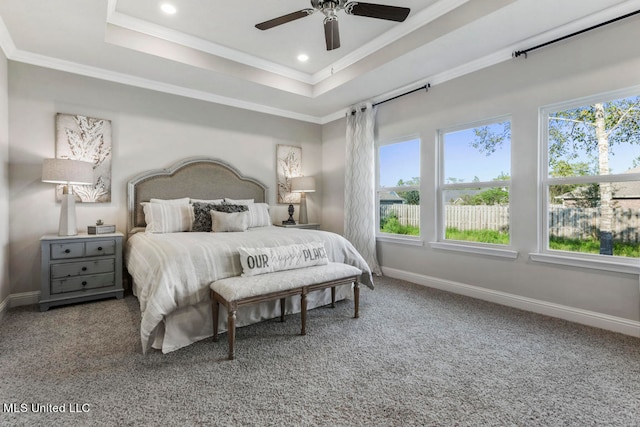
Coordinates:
197 178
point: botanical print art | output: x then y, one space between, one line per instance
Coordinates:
289 165
87 139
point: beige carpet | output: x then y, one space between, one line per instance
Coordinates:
416 357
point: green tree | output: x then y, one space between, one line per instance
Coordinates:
595 130
491 196
412 197
592 130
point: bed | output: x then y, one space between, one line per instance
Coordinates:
171 268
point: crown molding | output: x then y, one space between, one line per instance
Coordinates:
127 79
6 42
501 55
13 53
414 22
154 30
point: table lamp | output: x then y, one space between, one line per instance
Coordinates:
67 172
303 185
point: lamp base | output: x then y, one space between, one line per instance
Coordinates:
290 220
303 210
68 216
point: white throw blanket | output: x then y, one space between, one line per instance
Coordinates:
174 270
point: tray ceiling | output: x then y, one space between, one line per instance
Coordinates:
212 50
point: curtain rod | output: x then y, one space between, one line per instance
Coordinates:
425 87
524 52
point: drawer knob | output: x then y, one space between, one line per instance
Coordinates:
66 251
99 248
84 283
84 268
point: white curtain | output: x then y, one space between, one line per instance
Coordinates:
359 197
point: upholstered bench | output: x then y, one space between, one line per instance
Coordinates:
238 291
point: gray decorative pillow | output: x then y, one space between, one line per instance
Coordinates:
229 208
202 213
201 216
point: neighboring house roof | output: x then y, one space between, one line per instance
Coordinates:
621 190
390 196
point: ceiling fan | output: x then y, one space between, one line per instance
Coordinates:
330 10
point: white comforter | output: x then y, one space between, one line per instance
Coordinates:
174 270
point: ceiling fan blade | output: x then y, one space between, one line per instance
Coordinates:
380 11
284 19
331 34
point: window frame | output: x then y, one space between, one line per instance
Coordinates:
390 237
480 248
575 259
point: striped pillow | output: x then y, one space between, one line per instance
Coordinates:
259 215
229 221
167 218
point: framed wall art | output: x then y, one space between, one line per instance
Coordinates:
289 165
87 139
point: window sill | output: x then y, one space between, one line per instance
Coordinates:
401 240
479 250
631 267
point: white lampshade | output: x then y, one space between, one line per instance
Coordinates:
67 171
303 184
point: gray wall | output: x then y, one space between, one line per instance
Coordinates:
600 61
150 130
5 286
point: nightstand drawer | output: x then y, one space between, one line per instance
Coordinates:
67 250
71 269
82 282
100 247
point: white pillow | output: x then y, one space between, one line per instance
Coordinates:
234 221
182 201
211 202
259 215
266 260
167 217
239 201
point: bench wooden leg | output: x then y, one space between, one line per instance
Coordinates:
303 311
333 297
282 301
231 325
356 299
215 311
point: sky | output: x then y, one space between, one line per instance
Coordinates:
464 162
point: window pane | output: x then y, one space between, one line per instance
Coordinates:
477 215
596 218
400 164
397 217
595 139
482 153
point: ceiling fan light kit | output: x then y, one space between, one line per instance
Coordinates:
330 10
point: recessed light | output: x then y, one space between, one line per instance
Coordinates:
169 9
303 58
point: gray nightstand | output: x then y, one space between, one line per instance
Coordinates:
311 226
80 268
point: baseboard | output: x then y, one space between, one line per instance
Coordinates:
4 306
16 300
585 317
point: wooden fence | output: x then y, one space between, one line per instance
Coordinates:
569 222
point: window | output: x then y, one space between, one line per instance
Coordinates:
591 177
398 187
475 181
